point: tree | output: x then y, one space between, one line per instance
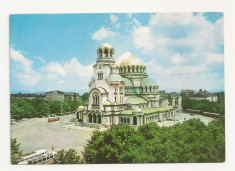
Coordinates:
43 108
55 107
15 151
66 107
85 98
119 144
67 157
169 100
191 141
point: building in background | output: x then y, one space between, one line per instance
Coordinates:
172 99
200 95
71 96
55 95
188 92
28 95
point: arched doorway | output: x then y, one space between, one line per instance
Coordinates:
90 118
99 119
94 118
134 120
160 102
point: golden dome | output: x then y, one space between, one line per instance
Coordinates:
105 45
132 61
114 66
81 108
107 103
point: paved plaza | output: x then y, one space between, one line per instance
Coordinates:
38 133
181 117
35 134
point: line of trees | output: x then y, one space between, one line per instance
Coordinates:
205 105
30 108
191 141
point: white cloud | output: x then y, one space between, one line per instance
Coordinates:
103 33
113 19
171 31
18 57
40 59
55 67
122 57
52 76
171 19
69 76
74 67
118 25
22 69
215 58
142 37
178 59
60 82
29 79
136 22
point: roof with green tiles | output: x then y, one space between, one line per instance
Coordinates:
127 82
148 82
115 77
135 100
149 110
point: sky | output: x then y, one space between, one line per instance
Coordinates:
57 51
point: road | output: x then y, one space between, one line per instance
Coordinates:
38 133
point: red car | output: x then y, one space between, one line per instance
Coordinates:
52 119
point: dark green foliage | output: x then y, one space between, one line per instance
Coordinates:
170 100
67 157
204 105
25 108
15 151
119 144
191 141
85 98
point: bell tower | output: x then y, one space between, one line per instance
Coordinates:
105 59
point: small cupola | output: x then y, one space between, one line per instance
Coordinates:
105 51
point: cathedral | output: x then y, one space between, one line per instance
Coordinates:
122 94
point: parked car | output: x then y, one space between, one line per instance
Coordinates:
52 119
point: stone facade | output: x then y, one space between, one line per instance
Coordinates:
122 94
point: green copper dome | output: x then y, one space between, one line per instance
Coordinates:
115 77
148 82
127 82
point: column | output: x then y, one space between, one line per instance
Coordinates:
160 117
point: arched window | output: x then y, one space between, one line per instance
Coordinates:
121 120
128 120
95 98
106 53
124 120
134 120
